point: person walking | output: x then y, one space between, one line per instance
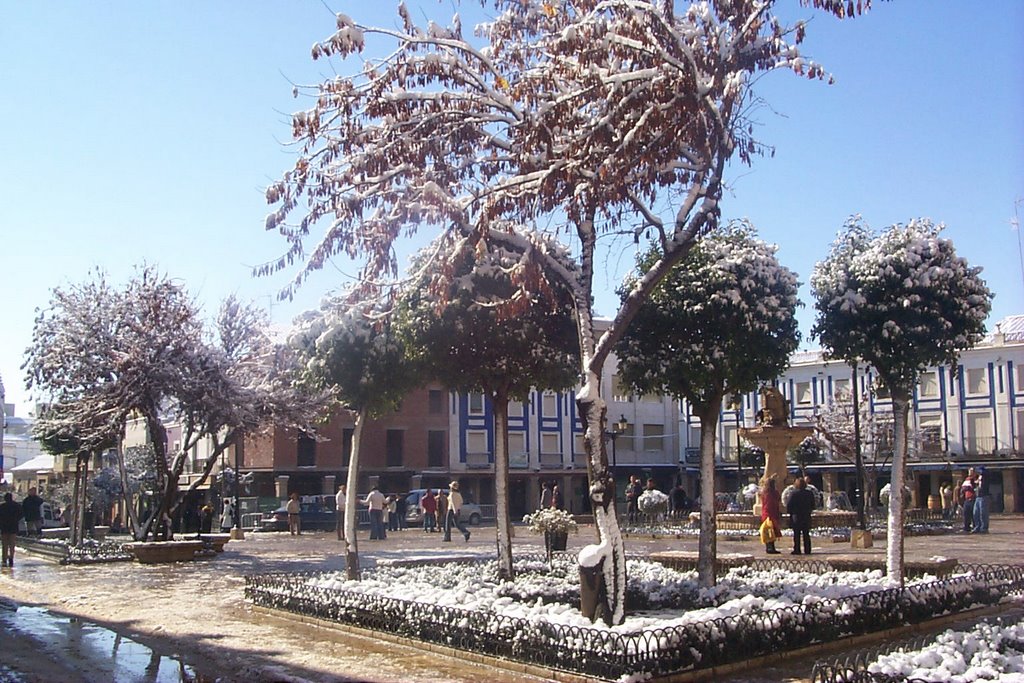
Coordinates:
401 509
392 510
339 511
556 497
545 496
454 510
982 502
771 511
375 502
442 515
965 495
633 491
32 508
429 505
801 505
294 508
227 516
10 515
946 497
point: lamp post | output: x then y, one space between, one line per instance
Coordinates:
617 429
236 531
737 405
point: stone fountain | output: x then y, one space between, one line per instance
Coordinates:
774 436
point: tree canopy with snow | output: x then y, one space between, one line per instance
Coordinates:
898 301
593 116
476 333
102 355
723 321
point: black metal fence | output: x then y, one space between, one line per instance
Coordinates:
603 654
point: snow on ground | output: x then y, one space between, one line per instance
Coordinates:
988 652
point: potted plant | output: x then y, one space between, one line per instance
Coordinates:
555 524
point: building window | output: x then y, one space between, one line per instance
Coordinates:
435 402
729 447
476 404
841 388
654 435
306 451
619 392
1018 374
476 442
549 443
549 405
393 447
804 397
930 434
518 456
976 381
929 385
980 434
435 447
577 445
347 434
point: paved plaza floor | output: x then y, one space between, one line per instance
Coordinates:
195 612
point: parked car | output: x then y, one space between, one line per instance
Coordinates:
414 515
51 519
316 513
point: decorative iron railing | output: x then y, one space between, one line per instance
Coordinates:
604 654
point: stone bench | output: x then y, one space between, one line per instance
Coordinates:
939 567
57 532
686 560
158 552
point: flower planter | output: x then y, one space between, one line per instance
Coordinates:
556 540
157 552
215 542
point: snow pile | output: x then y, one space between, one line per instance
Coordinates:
988 652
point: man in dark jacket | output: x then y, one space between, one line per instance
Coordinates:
800 506
10 515
32 508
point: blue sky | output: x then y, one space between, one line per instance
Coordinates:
146 132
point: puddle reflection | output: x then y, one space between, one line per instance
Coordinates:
95 652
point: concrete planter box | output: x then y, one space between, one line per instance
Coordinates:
215 542
158 552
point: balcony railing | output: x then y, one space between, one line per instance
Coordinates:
550 461
478 461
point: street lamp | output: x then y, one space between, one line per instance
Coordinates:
617 429
737 405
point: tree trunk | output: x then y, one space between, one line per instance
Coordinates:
76 505
126 495
351 501
894 550
500 403
609 553
707 550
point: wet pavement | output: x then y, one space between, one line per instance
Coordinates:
104 654
189 621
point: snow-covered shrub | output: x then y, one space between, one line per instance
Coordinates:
883 495
652 503
550 520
